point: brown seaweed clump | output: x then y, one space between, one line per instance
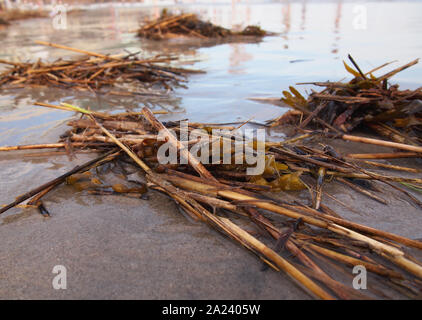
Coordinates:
171 26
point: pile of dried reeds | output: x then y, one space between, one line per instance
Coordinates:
304 241
17 14
95 72
366 100
170 26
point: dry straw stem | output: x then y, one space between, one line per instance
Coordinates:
361 190
382 143
165 186
364 101
164 22
352 261
340 289
192 193
170 26
89 53
133 139
97 73
67 108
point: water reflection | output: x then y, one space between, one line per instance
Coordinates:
337 27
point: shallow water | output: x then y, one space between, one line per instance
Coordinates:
314 36
126 248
